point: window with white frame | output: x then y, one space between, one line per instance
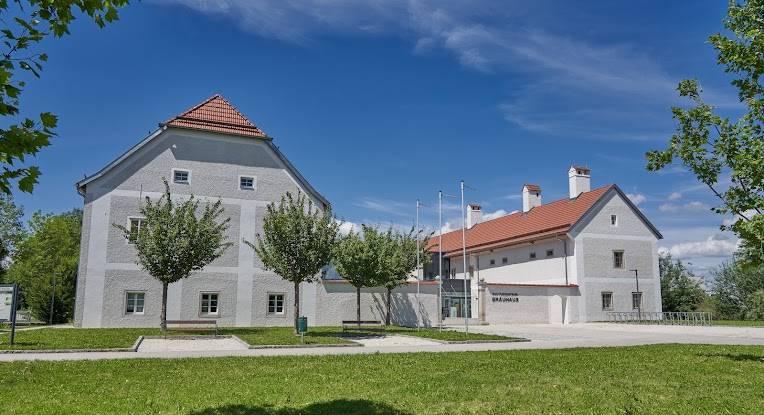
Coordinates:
618 260
613 220
247 182
135 226
504 260
549 252
276 304
607 300
208 304
181 176
134 302
493 262
636 300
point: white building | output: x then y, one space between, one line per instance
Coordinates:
571 260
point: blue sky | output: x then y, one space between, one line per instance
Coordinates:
381 103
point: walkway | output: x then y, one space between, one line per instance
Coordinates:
542 336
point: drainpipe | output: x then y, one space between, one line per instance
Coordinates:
565 252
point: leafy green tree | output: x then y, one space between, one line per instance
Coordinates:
712 146
733 284
11 229
362 260
755 306
46 258
680 289
401 257
177 240
297 242
27 23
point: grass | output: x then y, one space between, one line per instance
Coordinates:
445 335
664 379
69 338
738 323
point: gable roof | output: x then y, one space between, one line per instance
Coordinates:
548 220
216 114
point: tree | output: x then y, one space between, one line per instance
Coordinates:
733 284
362 260
711 146
44 264
680 289
297 242
177 240
28 23
11 230
401 257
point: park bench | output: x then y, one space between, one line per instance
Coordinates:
200 324
350 324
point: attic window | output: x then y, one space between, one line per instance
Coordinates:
532 255
493 262
181 176
550 252
613 220
504 260
247 182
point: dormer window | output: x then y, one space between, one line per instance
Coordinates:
613 220
181 176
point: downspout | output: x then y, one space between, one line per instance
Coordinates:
565 252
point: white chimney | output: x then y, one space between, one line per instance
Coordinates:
578 180
531 196
474 215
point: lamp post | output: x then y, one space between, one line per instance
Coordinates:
639 294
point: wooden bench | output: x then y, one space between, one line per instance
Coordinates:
207 324
349 324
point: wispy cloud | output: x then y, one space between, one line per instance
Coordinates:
391 207
694 206
637 198
718 245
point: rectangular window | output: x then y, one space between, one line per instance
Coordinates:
504 260
493 262
613 220
136 224
532 255
549 252
208 304
181 176
134 303
246 183
275 303
636 301
607 301
618 260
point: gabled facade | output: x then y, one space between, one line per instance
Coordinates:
213 152
571 260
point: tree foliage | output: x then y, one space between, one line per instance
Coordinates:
297 241
178 239
11 229
27 23
733 285
713 147
401 261
680 289
50 251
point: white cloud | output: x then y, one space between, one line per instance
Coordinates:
694 206
718 245
637 198
346 227
675 196
388 206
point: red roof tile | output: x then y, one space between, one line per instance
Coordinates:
541 221
216 115
533 187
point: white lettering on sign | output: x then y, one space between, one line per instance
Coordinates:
505 298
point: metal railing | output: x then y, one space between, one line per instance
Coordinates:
694 318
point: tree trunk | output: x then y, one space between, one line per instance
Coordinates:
389 300
163 312
358 306
296 305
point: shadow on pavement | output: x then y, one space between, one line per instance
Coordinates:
736 357
338 406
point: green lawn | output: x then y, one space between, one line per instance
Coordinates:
665 379
739 323
67 338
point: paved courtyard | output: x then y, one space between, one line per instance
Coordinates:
542 336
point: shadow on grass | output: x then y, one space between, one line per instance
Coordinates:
736 357
338 406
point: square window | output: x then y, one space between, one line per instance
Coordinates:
532 255
247 182
181 176
208 304
549 252
504 260
493 262
618 260
613 220
136 225
636 301
607 301
134 302
276 304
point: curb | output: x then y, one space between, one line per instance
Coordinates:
132 349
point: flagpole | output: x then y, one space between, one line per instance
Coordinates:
464 259
419 306
440 259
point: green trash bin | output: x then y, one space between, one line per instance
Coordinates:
302 324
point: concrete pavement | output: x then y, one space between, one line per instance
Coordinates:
542 336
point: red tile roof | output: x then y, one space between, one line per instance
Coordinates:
216 115
533 187
542 221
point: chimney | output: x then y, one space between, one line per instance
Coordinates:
531 196
578 180
474 214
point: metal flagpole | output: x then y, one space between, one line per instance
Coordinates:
418 305
464 259
440 259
